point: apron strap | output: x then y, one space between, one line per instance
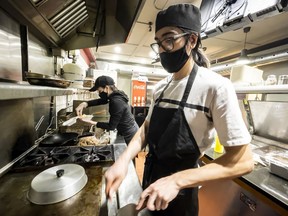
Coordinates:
188 86
162 93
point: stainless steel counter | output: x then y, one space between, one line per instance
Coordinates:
272 187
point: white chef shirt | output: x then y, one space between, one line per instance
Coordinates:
212 103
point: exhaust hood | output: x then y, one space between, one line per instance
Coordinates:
220 16
75 24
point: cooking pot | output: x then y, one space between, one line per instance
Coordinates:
62 139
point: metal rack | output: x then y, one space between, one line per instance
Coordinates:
272 89
24 90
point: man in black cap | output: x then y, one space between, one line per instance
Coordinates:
186 109
121 117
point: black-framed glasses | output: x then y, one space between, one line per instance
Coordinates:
167 44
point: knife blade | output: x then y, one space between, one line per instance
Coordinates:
104 209
128 210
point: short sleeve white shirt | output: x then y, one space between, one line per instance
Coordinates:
212 104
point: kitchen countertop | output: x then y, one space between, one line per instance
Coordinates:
260 179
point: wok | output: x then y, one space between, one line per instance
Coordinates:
62 139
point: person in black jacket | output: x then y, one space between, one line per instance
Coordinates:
121 117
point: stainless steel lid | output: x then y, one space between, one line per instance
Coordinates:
57 184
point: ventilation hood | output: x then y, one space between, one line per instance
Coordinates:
75 24
220 16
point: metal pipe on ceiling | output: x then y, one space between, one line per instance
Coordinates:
256 61
262 48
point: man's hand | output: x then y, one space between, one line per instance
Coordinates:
158 195
115 175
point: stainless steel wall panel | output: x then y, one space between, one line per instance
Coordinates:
39 59
270 119
10 48
16 128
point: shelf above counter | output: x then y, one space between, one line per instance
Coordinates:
271 89
22 90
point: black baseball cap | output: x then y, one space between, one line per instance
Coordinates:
102 81
185 16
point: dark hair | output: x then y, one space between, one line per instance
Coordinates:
198 55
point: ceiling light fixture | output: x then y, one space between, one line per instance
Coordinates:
244 59
117 49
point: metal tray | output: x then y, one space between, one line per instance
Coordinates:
60 83
37 75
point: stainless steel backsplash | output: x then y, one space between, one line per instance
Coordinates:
10 49
270 119
16 128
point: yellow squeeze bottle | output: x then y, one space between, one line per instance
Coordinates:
218 146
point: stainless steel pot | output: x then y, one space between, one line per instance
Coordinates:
57 183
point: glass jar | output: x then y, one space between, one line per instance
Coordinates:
283 80
271 80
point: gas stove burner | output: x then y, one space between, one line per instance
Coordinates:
82 150
102 152
93 158
31 161
62 150
39 151
48 156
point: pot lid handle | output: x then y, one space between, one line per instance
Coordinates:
60 173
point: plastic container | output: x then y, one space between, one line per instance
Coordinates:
218 146
279 164
271 80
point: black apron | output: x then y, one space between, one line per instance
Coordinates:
172 148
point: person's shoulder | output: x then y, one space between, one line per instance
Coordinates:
212 78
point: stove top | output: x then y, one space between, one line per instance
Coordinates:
15 186
49 156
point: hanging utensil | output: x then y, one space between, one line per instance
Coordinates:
39 123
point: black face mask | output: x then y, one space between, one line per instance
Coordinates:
103 95
173 61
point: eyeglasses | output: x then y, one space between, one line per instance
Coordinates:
167 44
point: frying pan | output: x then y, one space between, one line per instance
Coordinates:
62 139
